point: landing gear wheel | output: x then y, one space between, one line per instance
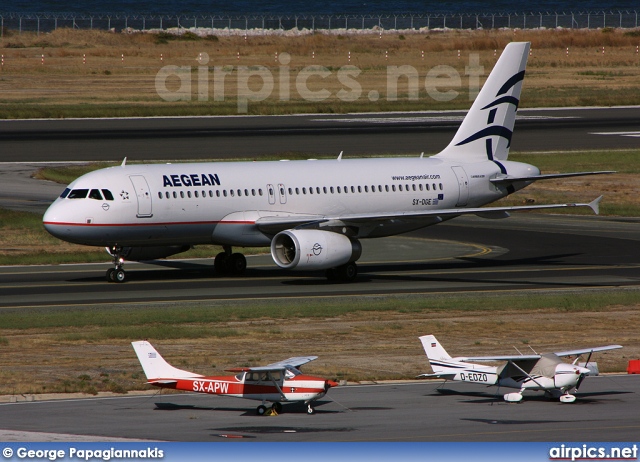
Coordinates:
310 410
277 407
110 276
343 273
236 264
220 263
119 275
261 410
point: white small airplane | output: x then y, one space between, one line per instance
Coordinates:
280 382
311 213
537 372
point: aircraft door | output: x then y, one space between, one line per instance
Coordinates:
271 193
463 186
283 193
143 194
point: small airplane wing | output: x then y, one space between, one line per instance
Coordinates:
274 224
513 358
587 350
296 362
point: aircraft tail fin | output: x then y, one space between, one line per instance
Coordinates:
485 132
154 365
435 352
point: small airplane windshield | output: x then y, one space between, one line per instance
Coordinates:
78 194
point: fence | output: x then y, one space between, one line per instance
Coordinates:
46 22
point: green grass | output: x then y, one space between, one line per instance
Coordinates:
157 321
622 161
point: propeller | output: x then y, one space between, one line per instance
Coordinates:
583 375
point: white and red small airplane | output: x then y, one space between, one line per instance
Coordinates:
537 372
280 382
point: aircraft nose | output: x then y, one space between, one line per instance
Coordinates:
329 384
51 220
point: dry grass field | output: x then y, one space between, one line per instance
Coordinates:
92 73
356 346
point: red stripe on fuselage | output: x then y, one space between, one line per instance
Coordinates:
56 223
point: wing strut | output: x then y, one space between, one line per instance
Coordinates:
275 384
527 374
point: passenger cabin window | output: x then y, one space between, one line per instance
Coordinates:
78 194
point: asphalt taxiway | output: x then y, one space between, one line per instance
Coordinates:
606 410
467 254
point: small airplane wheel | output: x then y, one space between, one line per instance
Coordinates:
110 275
236 264
310 410
261 410
277 407
119 275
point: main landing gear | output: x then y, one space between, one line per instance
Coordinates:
276 408
230 264
343 273
116 274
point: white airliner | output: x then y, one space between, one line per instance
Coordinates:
311 213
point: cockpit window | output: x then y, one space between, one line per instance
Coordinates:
65 193
107 194
95 194
78 194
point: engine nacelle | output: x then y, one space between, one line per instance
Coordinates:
150 253
312 249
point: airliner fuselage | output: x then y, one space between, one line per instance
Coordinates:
311 213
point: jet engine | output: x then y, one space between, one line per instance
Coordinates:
149 253
312 249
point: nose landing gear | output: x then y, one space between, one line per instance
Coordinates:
117 273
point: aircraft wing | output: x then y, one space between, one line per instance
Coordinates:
513 358
275 224
587 350
296 362
505 180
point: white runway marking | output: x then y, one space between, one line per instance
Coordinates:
630 134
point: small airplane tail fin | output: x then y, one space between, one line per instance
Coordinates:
485 132
434 351
154 365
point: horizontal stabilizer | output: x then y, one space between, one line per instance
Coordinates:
437 376
506 180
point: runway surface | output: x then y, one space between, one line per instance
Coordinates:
250 137
606 410
525 252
